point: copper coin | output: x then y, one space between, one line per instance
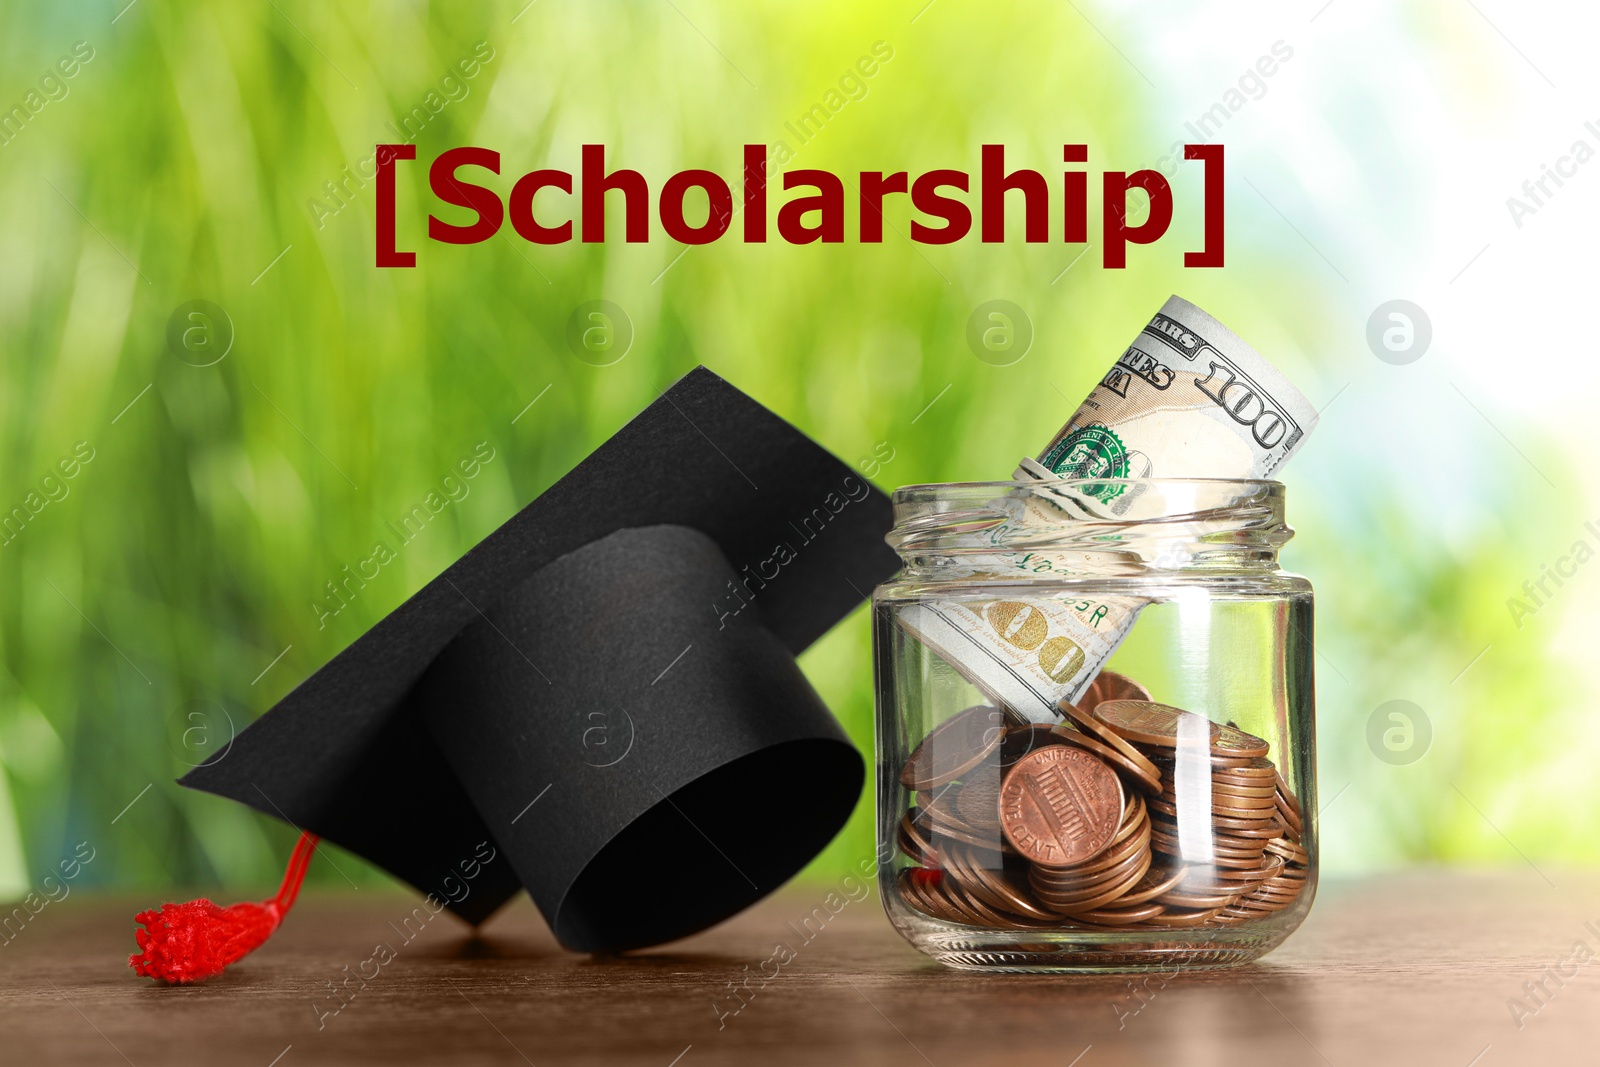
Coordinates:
999 886
938 823
1233 788
1104 734
939 809
913 883
1149 783
953 747
1234 743
1021 740
1181 919
1156 881
962 896
1288 794
1109 895
1152 723
1237 843
1073 887
1096 869
1060 805
1273 828
1120 914
1171 843
1109 685
1200 901
1271 866
914 842
1290 817
1290 851
978 797
1249 772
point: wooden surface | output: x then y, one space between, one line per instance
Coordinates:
1414 969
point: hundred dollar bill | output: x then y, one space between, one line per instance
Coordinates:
1187 399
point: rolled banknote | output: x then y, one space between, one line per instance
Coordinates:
1188 399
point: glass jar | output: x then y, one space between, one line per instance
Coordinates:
1158 813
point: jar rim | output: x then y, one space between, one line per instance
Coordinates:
921 488
1102 522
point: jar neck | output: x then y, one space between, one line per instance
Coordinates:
1078 528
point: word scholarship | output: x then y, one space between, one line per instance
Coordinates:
696 207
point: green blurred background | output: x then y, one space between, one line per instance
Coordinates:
170 590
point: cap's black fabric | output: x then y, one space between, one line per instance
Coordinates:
706 526
634 691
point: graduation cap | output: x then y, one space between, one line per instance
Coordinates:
600 701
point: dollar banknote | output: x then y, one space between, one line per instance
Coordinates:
1187 399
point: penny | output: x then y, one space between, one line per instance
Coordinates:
1060 805
1170 845
1222 788
1235 807
1235 863
914 842
1104 734
1149 783
964 899
1290 816
1178 919
1081 887
1120 914
955 902
1270 866
953 747
939 811
937 823
1238 843
1111 894
1109 685
1152 723
1156 881
1021 740
999 886
978 801
1198 900
1288 794
1230 741
1289 851
1253 770
1273 828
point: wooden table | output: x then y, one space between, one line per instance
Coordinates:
1412 969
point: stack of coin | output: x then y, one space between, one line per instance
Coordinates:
1078 825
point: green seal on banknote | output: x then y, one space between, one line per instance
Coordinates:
1092 451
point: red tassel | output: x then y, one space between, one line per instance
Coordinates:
185 943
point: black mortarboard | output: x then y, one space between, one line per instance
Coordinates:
602 694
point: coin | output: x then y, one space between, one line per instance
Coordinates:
1176 919
1120 914
1108 896
1290 816
1290 851
1149 782
978 799
1001 890
1230 741
1021 740
914 842
1072 887
1156 881
953 747
1109 685
1107 736
1222 787
1152 723
1060 805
